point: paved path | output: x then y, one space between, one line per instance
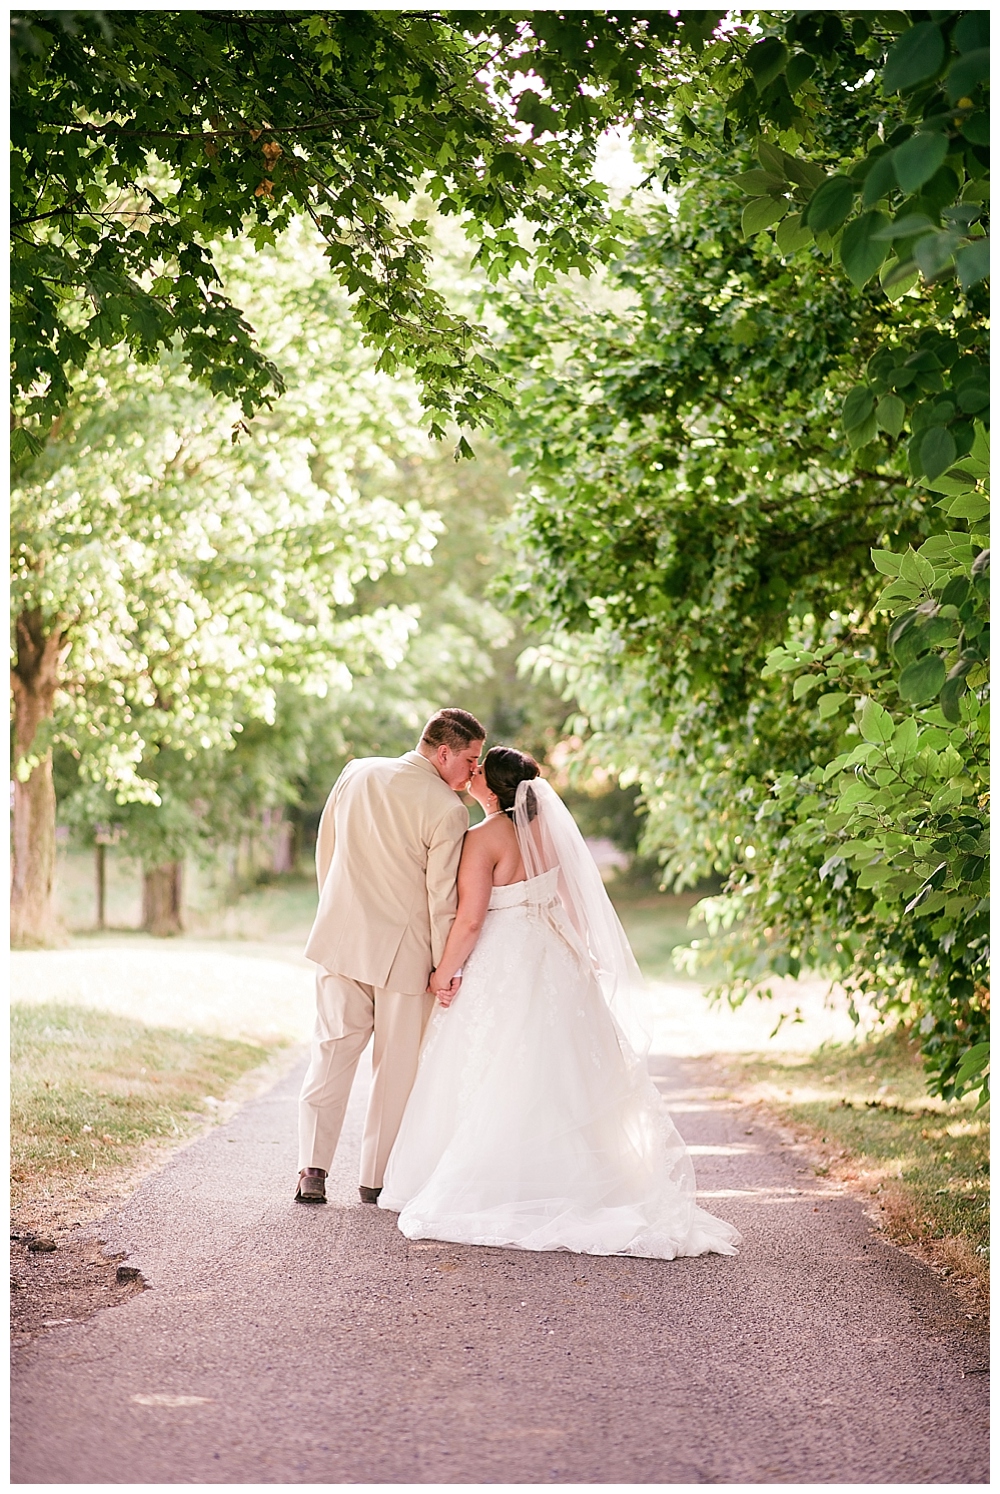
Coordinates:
281 1344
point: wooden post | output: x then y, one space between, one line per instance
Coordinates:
100 872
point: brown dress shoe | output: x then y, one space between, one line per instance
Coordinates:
369 1195
312 1186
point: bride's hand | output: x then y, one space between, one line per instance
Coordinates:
445 993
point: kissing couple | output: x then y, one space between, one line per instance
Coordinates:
510 1102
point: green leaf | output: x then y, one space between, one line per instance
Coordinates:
887 561
972 507
896 279
880 181
933 252
953 487
951 693
799 68
946 798
861 434
956 592
976 128
766 59
914 567
972 31
899 591
803 685
918 54
974 394
830 704
966 72
775 160
857 407
761 212
900 627
24 445
973 263
856 793
829 205
758 182
937 450
876 723
917 159
922 680
974 1062
906 226
890 412
791 236
861 254
904 739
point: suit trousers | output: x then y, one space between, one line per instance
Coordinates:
348 1012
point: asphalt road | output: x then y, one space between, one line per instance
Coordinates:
286 1344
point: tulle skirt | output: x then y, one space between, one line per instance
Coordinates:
532 1124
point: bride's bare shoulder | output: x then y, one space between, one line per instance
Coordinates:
494 830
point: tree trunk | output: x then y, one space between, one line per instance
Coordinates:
161 899
34 681
281 851
101 878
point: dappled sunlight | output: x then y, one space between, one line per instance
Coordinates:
737 1150
686 1024
765 1194
264 994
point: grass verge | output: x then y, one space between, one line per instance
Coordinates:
93 1094
923 1161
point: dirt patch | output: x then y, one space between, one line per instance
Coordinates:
53 1287
893 1210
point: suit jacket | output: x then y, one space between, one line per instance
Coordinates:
387 858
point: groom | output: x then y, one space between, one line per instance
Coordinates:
387 857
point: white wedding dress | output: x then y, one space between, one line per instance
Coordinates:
533 1122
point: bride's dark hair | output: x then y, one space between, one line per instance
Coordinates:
504 768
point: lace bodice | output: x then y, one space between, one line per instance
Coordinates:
536 890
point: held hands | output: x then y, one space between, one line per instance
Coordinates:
445 991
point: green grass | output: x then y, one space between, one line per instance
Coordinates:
89 1090
925 1159
655 924
281 911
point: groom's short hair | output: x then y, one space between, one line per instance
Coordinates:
452 728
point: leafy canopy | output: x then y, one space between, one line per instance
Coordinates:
141 138
712 467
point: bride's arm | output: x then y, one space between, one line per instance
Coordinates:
475 883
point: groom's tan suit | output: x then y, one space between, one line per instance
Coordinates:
387 861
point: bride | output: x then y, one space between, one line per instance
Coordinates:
533 1122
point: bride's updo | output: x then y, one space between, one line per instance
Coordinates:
504 768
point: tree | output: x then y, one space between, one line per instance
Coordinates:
400 637
697 508
912 826
141 138
182 579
